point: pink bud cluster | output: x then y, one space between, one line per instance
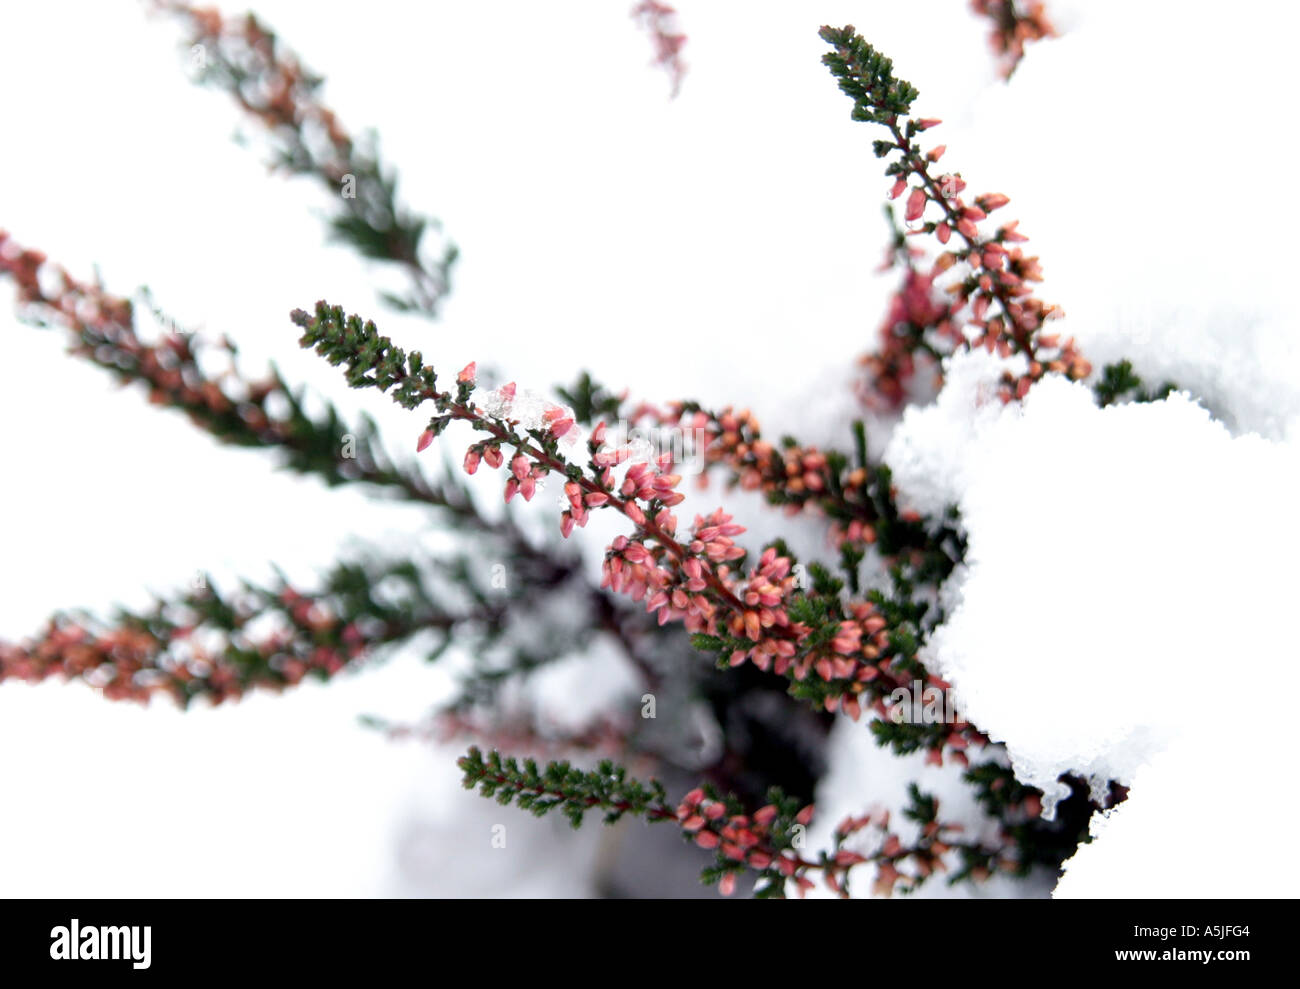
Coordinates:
918 861
798 477
745 839
660 20
1015 23
990 305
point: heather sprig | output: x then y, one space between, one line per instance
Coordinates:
560 786
248 61
660 21
178 370
767 842
205 644
855 495
1015 23
836 653
987 276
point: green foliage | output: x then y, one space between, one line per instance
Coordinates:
867 77
590 400
372 361
1120 383
560 786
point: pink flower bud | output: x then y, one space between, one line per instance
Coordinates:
423 442
472 458
915 205
468 373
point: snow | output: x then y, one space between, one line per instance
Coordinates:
1122 579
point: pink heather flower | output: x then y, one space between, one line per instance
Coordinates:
706 839
512 489
765 815
472 458
520 467
728 884
423 442
598 434
898 188
805 816
915 204
611 458
468 373
528 487
885 879
566 525
1009 234
937 152
928 122
492 455
561 426
992 201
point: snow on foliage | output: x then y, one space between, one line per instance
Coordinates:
1124 603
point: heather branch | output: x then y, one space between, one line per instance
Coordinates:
835 653
248 61
1014 24
993 297
766 842
660 21
203 644
234 408
856 495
